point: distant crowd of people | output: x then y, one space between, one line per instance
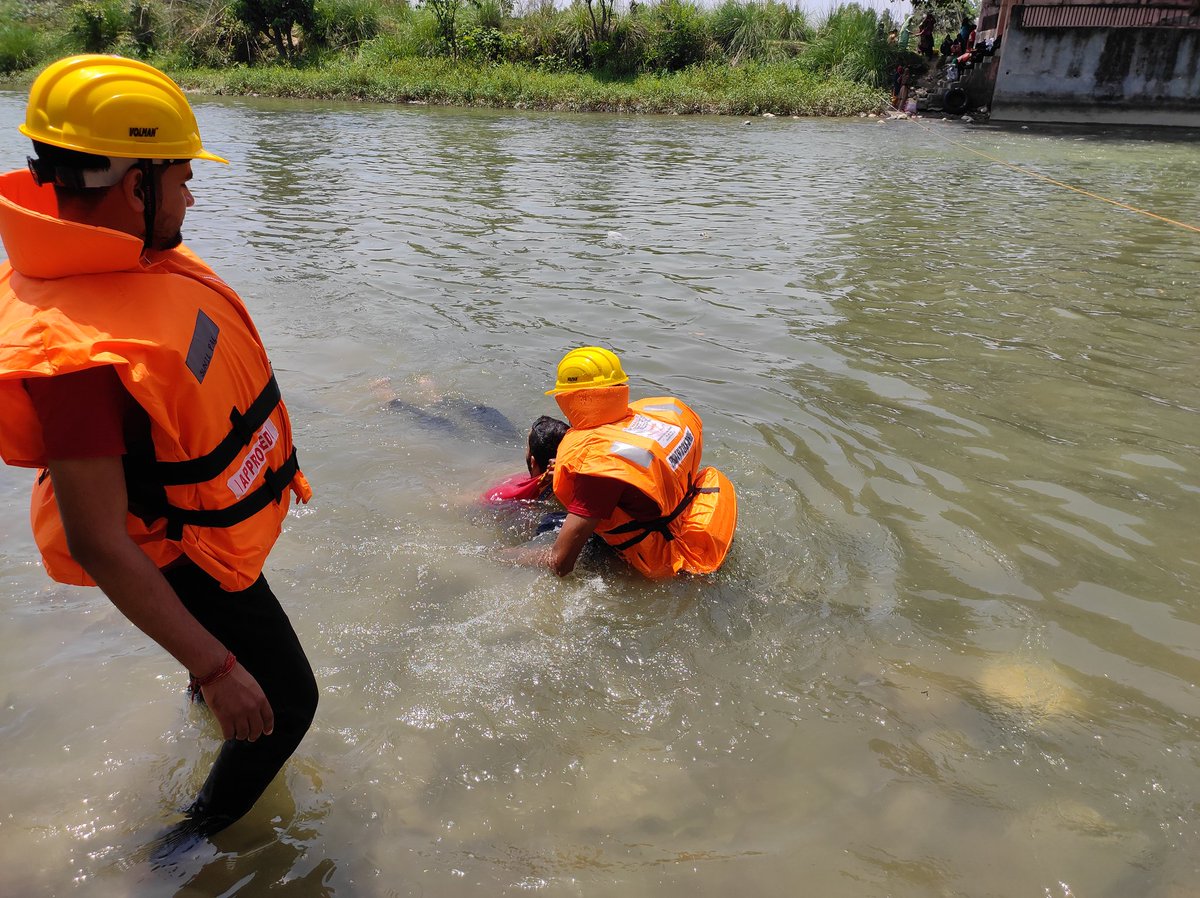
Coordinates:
954 50
954 45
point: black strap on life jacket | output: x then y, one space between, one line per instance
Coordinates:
275 483
642 529
242 428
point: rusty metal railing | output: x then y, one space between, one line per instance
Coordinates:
1107 15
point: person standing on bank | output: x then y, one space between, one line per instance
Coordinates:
906 30
632 475
925 32
134 379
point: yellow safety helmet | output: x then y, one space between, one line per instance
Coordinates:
112 106
588 366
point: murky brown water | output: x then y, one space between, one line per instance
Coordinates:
955 651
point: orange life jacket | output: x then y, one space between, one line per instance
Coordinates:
655 446
183 345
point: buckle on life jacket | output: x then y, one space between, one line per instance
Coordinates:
242 428
660 525
275 484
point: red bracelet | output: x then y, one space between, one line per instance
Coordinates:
195 684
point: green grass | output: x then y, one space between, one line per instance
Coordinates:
743 57
847 46
20 46
782 88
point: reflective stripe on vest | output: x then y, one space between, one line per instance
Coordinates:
663 407
643 458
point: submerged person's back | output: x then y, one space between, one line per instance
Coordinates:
458 417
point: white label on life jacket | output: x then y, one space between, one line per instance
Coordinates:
255 460
675 459
659 431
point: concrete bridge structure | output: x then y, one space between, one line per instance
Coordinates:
1123 63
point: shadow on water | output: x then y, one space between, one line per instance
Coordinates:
1094 133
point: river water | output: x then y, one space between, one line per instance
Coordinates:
954 652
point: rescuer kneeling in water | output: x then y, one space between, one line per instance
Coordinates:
133 378
631 474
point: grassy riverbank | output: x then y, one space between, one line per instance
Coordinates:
779 88
744 57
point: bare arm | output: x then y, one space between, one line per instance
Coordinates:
93 503
561 556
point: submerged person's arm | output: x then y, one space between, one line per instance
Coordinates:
560 557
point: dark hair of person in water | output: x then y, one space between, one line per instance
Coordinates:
544 437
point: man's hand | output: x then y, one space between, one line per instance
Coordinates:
560 557
241 708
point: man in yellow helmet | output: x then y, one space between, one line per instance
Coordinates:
133 378
632 475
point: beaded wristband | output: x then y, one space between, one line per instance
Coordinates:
195 684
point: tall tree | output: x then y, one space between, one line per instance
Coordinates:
602 26
445 12
276 20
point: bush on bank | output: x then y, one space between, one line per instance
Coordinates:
740 57
753 89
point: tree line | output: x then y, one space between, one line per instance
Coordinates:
587 36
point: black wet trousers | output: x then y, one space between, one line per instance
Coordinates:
253 626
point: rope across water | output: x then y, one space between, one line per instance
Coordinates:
1033 174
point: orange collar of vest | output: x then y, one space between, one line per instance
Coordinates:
42 245
595 406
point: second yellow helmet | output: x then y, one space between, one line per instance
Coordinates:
112 106
588 366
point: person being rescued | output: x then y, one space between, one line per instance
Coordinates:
631 474
541 446
534 490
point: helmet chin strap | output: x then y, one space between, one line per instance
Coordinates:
149 200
